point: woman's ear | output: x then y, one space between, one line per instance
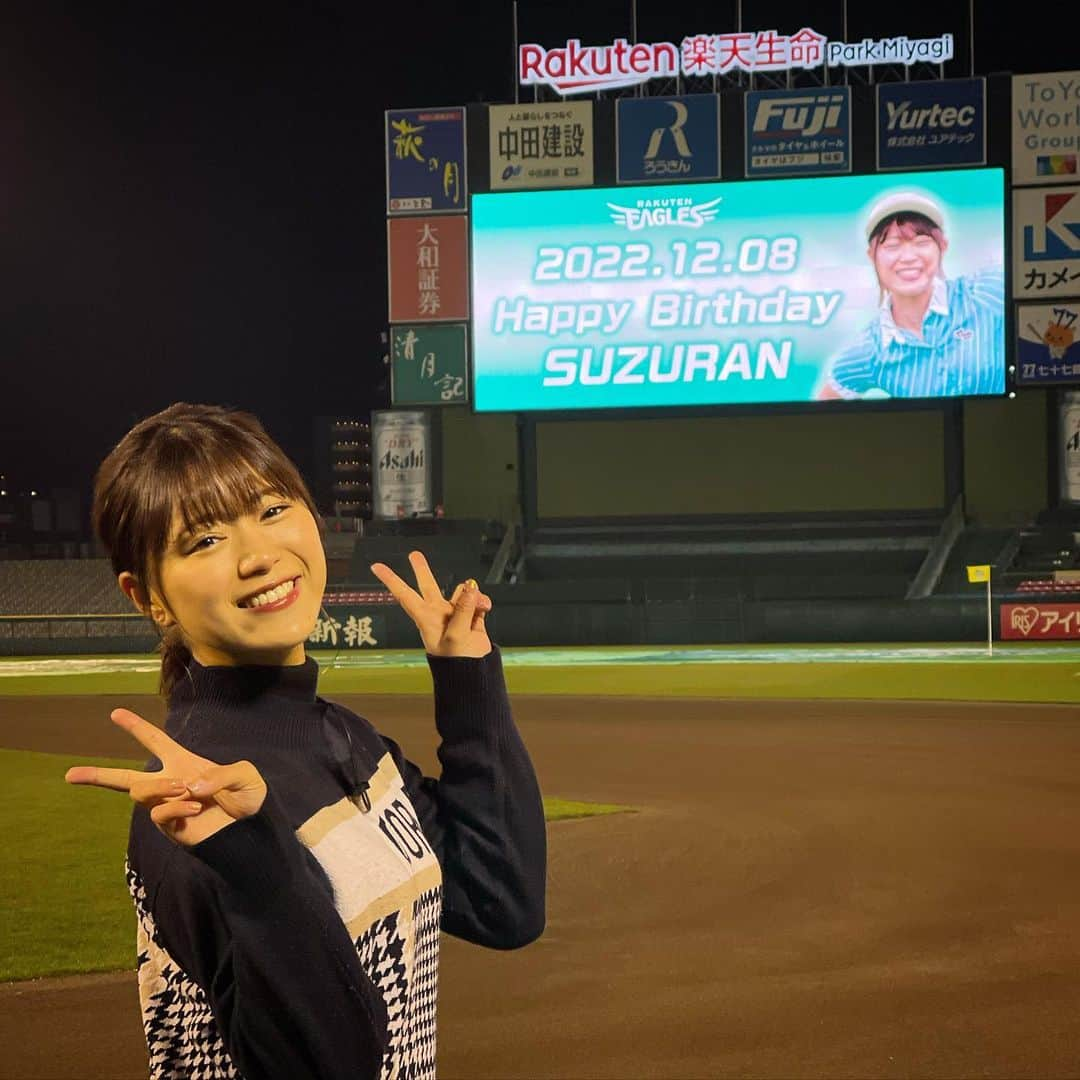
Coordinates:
145 605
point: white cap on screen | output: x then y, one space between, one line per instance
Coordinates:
904 202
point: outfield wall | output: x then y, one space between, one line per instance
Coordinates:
520 618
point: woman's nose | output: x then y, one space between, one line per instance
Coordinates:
256 554
256 561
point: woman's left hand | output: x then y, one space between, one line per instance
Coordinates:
453 627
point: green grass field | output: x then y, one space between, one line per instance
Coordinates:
63 885
1035 672
66 905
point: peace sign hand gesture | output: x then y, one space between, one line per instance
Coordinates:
192 798
453 627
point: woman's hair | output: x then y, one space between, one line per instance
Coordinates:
205 462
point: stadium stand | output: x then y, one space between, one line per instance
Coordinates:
976 546
1044 560
59 587
66 606
790 558
776 578
455 550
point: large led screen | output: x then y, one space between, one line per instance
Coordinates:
797 290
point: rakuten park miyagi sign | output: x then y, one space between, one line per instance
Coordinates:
582 69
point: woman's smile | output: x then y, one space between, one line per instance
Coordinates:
274 598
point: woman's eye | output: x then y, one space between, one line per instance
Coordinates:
276 510
204 543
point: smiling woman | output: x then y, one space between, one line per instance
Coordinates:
932 336
201 511
248 589
291 868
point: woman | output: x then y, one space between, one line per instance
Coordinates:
932 336
290 868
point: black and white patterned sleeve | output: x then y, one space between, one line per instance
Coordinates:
245 967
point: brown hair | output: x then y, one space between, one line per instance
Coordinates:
211 464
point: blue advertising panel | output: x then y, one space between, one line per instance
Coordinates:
665 139
740 293
931 125
1046 242
425 161
798 132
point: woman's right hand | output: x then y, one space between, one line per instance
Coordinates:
191 798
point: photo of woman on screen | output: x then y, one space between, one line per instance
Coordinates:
932 336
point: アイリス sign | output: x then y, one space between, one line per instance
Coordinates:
1028 622
582 69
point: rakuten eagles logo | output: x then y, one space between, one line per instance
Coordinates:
656 213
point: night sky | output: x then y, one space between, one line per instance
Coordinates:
192 199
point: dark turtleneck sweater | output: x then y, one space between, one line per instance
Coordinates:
303 941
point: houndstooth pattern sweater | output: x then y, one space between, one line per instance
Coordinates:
304 941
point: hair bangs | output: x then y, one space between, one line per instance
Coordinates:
208 481
909 224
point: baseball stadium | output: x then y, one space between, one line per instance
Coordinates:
792 640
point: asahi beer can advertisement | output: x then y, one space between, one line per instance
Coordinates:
401 463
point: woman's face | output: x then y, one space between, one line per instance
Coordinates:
246 591
906 265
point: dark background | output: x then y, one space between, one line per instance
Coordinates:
192 195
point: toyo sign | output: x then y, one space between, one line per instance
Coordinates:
581 69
